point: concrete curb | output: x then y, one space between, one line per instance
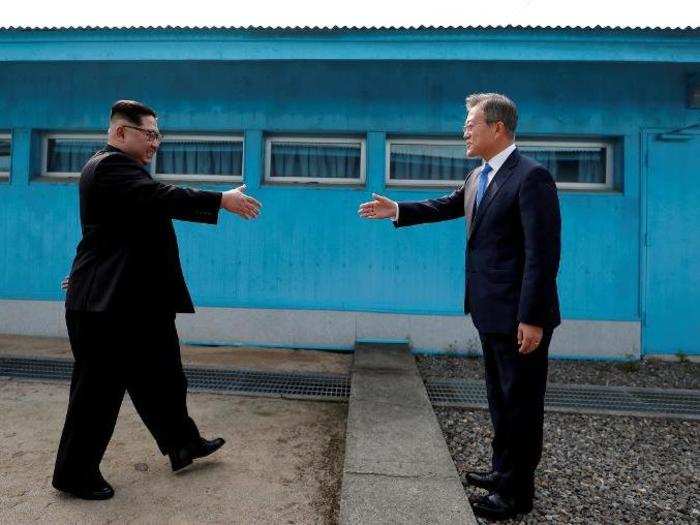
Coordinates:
397 467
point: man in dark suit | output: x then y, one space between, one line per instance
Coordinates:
512 259
124 290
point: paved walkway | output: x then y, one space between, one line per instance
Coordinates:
281 463
397 466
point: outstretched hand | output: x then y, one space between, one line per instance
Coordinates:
378 208
236 201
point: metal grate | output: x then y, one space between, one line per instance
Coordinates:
578 398
35 368
325 387
442 392
290 385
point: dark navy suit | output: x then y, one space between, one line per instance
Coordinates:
512 260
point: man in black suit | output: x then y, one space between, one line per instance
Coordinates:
512 259
124 290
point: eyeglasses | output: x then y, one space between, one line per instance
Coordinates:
471 125
151 135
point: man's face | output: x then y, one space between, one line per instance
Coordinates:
479 136
141 144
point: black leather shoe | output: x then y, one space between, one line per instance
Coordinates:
485 480
496 507
182 457
205 447
97 490
179 458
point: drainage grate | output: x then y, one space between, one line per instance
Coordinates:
325 387
289 385
577 398
442 392
35 368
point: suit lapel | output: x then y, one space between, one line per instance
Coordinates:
496 184
470 195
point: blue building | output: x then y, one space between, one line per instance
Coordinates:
314 121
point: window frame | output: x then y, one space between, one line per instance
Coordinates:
562 144
195 137
5 175
316 139
608 147
44 173
389 182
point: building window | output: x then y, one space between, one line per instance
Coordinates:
419 162
5 154
320 160
574 164
199 157
64 155
427 162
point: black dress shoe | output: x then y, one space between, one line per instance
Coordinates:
496 507
96 490
204 447
179 458
485 480
182 457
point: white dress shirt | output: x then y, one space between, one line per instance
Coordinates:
496 162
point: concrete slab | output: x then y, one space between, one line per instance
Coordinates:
281 464
397 467
399 500
339 329
401 389
401 440
383 357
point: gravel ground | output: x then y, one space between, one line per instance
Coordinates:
650 373
596 469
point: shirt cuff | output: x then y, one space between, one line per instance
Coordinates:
395 218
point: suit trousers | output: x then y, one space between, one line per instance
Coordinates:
114 353
515 386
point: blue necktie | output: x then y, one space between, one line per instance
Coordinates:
483 182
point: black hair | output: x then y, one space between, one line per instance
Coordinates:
131 110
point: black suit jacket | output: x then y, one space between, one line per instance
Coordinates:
128 259
513 246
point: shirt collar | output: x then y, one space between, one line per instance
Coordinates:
109 147
497 160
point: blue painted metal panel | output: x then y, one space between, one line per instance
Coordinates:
455 44
672 316
309 249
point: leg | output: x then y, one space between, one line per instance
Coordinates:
523 380
494 394
96 393
157 384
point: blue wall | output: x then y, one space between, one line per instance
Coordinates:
309 249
